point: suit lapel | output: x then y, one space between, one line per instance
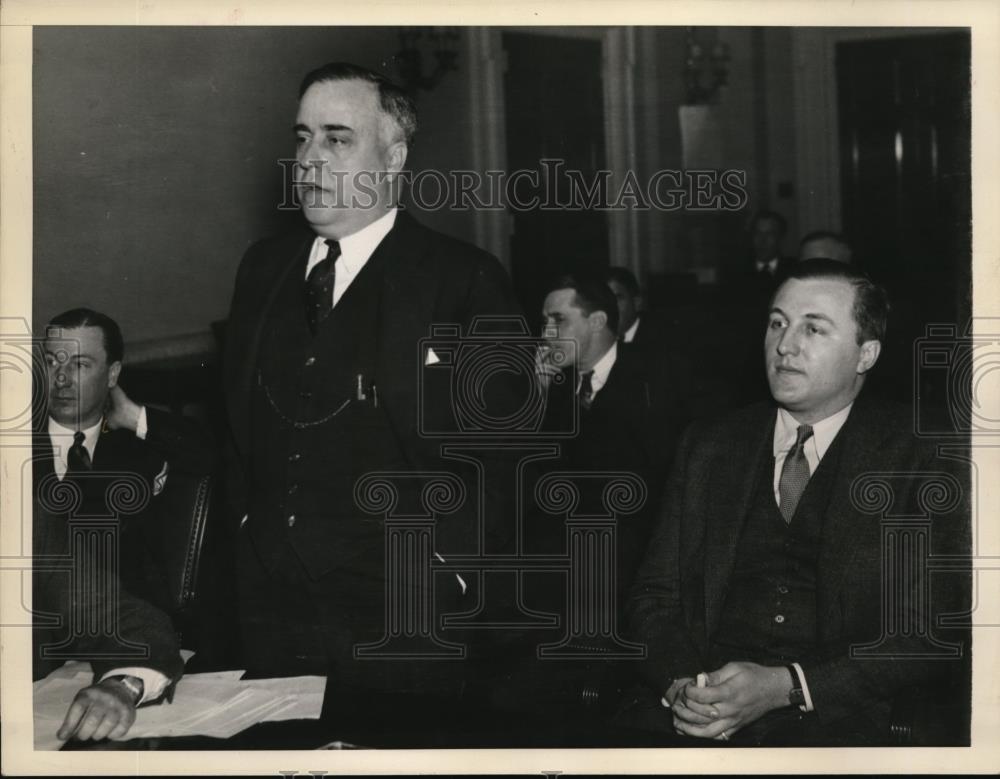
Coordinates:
726 516
406 306
614 392
843 526
286 259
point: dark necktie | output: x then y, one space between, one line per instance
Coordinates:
319 287
794 474
78 459
586 391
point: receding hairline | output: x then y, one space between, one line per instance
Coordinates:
385 119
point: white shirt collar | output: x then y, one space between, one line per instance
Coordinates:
355 249
824 431
602 368
61 439
770 265
630 333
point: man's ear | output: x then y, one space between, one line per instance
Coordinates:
113 370
597 320
870 350
395 157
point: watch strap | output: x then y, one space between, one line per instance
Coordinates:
795 696
134 685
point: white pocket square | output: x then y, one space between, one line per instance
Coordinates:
431 358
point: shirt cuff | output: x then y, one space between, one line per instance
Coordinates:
154 683
141 427
808 705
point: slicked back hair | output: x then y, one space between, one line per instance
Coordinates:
871 302
393 99
114 345
591 293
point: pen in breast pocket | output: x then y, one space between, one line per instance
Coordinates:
361 388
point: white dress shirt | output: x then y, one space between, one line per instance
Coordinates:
629 336
355 250
771 266
601 369
61 439
785 431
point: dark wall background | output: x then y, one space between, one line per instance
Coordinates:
156 160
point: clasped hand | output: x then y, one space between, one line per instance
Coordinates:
734 696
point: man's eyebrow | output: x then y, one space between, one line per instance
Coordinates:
327 128
824 317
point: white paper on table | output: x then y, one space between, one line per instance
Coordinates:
217 704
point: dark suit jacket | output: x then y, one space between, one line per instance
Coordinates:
632 426
681 586
427 279
138 622
173 444
653 333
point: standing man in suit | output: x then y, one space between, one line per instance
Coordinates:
764 572
768 265
96 431
322 371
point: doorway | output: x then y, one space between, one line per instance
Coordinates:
905 140
554 103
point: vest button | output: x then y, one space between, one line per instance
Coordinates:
779 618
782 589
291 520
305 394
293 488
310 361
294 457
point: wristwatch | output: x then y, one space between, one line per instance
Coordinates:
795 696
133 684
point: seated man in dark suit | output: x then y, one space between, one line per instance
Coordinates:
762 580
135 660
631 408
97 433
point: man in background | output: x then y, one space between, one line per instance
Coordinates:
767 234
630 409
824 244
